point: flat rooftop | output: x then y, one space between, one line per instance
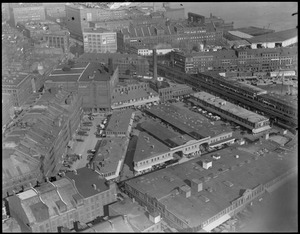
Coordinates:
80 72
119 121
132 94
224 182
110 153
189 122
96 30
229 107
84 180
147 147
136 214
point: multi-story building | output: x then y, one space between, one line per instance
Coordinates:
174 34
99 40
79 16
168 90
74 198
19 86
7 108
120 123
46 32
196 18
138 217
239 60
93 81
35 144
248 119
23 12
180 192
128 64
133 94
109 159
55 10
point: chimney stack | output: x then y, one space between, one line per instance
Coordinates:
125 218
154 65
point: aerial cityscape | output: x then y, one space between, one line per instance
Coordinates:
149 117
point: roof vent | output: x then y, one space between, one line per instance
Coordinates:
94 186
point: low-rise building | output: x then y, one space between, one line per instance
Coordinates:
135 215
120 123
133 94
144 50
109 159
187 135
248 119
169 90
276 39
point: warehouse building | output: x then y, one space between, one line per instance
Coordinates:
120 123
192 197
277 39
248 119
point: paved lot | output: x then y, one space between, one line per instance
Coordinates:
88 143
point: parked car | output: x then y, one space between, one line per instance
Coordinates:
79 140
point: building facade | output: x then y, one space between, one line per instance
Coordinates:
239 60
19 86
26 12
7 108
99 40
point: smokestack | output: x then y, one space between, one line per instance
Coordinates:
154 65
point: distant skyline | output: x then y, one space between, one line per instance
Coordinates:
243 14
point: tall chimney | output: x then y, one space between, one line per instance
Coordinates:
154 65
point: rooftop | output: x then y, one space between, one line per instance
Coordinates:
84 180
276 36
170 138
147 147
136 214
119 121
132 94
96 30
110 154
180 118
80 72
119 226
254 31
229 107
240 34
224 182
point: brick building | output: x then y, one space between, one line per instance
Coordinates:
24 12
93 81
74 198
239 60
35 143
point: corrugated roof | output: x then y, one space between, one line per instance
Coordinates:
240 34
